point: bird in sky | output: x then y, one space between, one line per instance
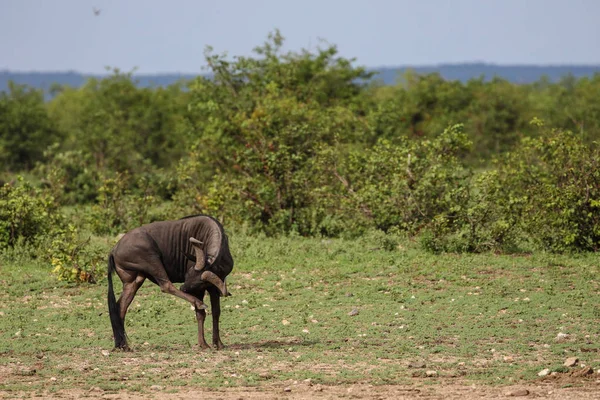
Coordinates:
97 11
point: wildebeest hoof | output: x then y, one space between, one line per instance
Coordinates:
201 307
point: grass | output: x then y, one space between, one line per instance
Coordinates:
484 318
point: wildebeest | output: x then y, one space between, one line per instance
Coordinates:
193 250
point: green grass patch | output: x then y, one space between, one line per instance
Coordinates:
482 318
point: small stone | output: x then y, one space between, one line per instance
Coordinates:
285 322
571 362
156 387
105 353
430 373
544 372
519 393
349 295
354 312
562 336
287 389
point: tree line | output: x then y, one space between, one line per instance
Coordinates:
307 143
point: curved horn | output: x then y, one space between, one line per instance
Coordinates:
200 259
211 277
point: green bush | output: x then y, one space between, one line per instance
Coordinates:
560 175
117 209
261 124
488 219
546 193
75 259
120 125
25 128
70 176
402 186
26 213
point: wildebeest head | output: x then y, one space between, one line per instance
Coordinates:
201 276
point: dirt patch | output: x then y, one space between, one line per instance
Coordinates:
556 388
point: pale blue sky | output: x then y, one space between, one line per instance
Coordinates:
170 36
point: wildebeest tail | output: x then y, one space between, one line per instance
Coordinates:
118 326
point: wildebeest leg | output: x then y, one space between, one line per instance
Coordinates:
130 288
154 269
166 286
215 307
201 316
131 283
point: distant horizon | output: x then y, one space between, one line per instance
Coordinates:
390 75
400 66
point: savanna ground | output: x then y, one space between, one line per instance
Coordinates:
312 318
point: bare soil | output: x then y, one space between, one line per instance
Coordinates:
578 383
552 388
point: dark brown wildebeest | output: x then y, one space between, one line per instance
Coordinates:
193 250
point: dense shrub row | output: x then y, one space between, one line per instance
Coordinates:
306 143
544 194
